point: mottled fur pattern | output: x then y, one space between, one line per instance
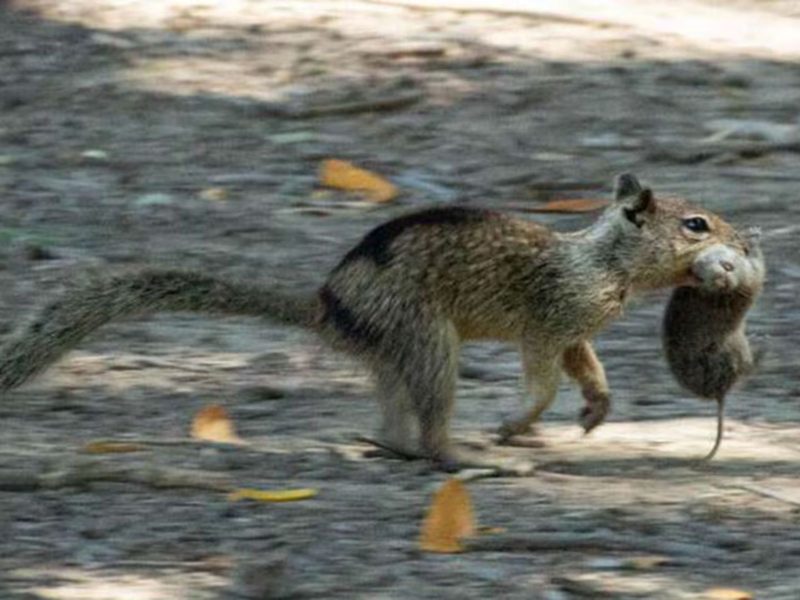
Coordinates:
415 288
444 278
704 325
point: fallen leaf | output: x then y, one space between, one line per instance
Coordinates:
645 563
573 205
449 519
113 447
726 594
213 424
214 194
272 495
344 175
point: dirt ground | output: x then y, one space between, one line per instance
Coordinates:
190 133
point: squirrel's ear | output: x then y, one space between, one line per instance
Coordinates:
625 186
641 203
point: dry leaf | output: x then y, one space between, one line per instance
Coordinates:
214 425
343 175
113 447
214 194
727 594
573 205
645 563
448 520
272 495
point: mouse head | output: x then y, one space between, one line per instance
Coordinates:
723 268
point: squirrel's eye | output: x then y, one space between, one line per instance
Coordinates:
696 224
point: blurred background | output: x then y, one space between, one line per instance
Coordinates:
193 133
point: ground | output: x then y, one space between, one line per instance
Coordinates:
190 133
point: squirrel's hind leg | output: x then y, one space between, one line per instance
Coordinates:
542 375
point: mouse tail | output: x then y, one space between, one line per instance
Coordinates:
720 426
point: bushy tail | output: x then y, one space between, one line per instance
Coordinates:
64 322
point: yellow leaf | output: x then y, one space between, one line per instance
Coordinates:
213 424
344 175
727 594
573 205
448 520
113 447
272 495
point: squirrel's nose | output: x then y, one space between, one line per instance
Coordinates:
727 265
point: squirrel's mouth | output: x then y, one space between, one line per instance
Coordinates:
689 279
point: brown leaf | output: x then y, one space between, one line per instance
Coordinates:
726 594
213 424
449 519
570 205
344 175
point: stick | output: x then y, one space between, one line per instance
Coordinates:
759 491
493 12
81 473
393 452
345 108
188 442
608 542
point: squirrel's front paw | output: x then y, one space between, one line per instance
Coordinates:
594 412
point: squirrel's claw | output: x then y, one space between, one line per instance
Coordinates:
595 411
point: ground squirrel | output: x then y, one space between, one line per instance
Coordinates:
704 325
406 296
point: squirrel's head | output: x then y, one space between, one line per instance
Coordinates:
666 234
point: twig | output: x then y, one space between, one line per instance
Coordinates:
150 475
528 180
211 565
494 12
388 450
250 179
80 473
188 442
706 151
756 174
759 491
344 108
593 541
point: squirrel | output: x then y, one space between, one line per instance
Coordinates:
414 288
704 324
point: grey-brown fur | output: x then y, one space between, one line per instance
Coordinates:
63 323
704 325
406 297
